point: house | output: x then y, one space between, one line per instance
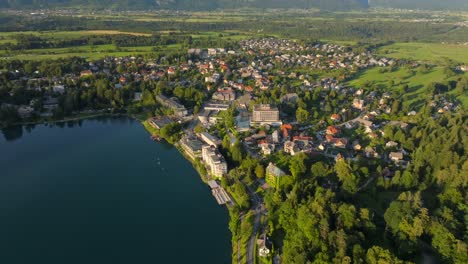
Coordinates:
50 103
396 156
171 71
263 246
275 137
86 73
357 146
289 98
290 147
371 153
25 111
274 175
59 89
137 96
224 94
335 117
463 68
266 148
391 144
358 104
332 130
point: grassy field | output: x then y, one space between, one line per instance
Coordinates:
416 81
88 52
431 52
100 51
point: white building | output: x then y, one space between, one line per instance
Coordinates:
265 115
214 160
209 139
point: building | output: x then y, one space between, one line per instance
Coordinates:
192 146
358 104
209 139
224 94
274 175
177 108
265 115
216 107
396 156
214 160
86 73
243 121
159 123
463 68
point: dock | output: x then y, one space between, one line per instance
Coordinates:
221 196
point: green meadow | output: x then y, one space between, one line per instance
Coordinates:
416 80
430 52
87 51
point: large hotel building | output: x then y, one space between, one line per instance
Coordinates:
265 114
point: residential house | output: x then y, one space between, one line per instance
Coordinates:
358 104
396 156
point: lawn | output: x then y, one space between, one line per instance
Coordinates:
431 52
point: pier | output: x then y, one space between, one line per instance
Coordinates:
219 193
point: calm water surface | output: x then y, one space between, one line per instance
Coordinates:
99 191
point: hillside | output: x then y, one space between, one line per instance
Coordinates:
422 4
187 4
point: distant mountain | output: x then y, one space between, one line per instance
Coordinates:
422 4
187 4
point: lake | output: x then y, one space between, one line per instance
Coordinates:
100 191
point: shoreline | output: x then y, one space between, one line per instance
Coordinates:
66 119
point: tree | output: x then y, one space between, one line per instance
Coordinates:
302 115
297 166
346 176
378 255
260 171
319 169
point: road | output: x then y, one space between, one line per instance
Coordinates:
258 210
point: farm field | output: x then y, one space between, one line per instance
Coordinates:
431 52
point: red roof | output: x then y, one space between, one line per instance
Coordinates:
332 130
335 117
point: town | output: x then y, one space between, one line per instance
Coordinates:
247 109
